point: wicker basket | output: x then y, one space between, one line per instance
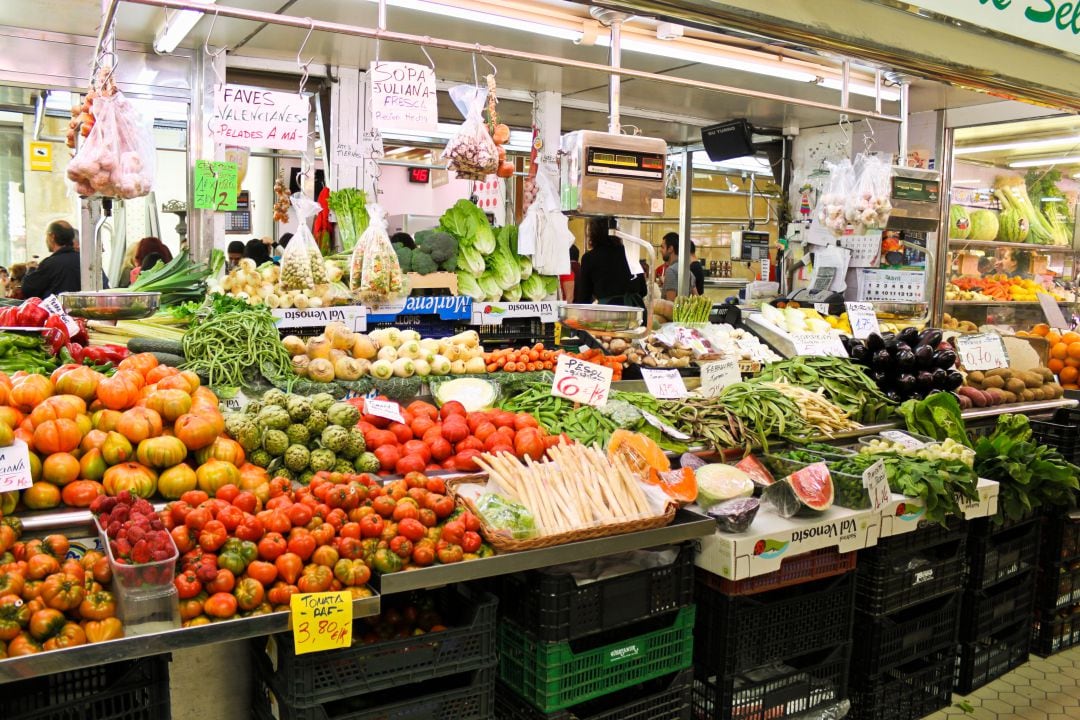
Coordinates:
502 543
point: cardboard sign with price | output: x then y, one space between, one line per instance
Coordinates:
321 621
876 482
665 383
715 376
581 382
863 319
983 351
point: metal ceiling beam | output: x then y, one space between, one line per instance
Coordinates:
453 45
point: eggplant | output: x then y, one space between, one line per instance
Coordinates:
874 342
910 336
940 376
905 383
930 336
881 360
945 359
905 359
901 346
924 380
924 356
846 342
895 396
953 379
858 351
890 340
879 376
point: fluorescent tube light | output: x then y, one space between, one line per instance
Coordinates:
1018 145
705 56
498 20
1072 160
864 89
176 27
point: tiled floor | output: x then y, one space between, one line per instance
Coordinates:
1043 689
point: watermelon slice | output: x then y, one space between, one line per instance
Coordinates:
808 491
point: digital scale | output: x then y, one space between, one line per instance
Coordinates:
749 245
604 174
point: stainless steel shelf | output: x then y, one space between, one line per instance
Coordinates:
991 244
686 526
1004 303
135 646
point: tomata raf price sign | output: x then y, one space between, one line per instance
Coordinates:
321 621
581 382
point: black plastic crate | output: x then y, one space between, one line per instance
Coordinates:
735 632
129 690
666 698
776 690
984 611
907 692
909 569
884 642
980 662
468 643
1053 632
1060 538
468 696
1062 433
1057 586
1004 554
554 607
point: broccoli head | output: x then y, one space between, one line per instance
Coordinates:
450 264
439 245
404 257
423 263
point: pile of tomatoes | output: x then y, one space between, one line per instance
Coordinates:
49 601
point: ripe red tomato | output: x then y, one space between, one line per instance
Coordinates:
410 463
455 431
529 442
432 434
452 408
484 430
402 432
388 456
525 420
406 510
230 517
299 514
428 518
246 501
466 460
421 425
227 492
440 449
417 447
420 408
470 443
194 498
384 505
301 543
197 518
503 418
224 581
412 529
220 605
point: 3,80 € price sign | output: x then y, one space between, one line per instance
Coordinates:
581 382
321 621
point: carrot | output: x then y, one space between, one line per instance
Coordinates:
492 367
548 364
510 367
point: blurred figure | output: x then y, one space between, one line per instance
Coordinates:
60 271
256 250
147 262
567 281
151 245
14 288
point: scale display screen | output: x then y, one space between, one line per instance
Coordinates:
624 164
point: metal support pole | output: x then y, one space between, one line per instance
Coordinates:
877 91
91 219
203 225
905 122
615 82
686 207
845 81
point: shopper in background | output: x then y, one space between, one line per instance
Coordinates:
567 281
696 269
256 250
235 254
4 278
670 251
14 287
605 276
151 246
280 245
147 262
60 271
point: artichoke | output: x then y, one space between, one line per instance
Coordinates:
273 396
285 473
297 457
367 463
316 422
248 435
355 446
305 477
274 417
343 414
275 442
298 407
253 407
260 457
335 438
321 401
342 466
298 434
322 459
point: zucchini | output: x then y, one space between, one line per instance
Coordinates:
152 345
168 359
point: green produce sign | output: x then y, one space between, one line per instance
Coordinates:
216 185
1053 23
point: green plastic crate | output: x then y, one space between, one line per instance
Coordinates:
552 676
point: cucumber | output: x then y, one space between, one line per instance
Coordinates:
151 345
169 359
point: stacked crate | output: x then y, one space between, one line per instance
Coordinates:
995 620
776 646
446 674
1056 623
907 603
618 647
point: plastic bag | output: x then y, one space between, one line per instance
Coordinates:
545 231
471 153
868 204
296 262
830 211
506 517
117 158
380 278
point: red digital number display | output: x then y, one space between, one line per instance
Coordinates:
419 175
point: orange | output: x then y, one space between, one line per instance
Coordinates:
1070 337
1025 333
1074 350
1070 386
1053 338
1055 365
1070 362
1070 375
1041 330
1059 351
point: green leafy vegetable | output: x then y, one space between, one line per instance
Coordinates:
349 206
937 416
470 226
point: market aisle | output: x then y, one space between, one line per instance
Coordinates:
1043 689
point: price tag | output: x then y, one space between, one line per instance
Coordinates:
876 482
383 408
216 185
1054 316
581 381
902 438
236 403
321 621
765 269
53 305
664 383
863 319
15 467
822 308
664 427
715 376
982 351
824 344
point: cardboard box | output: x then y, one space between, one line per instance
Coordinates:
903 514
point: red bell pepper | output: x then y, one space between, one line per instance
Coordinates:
114 353
9 316
81 337
31 314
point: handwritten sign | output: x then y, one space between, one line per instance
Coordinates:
982 351
823 344
15 467
321 621
216 185
876 482
715 376
902 438
257 117
822 308
863 319
53 305
369 148
582 382
664 383
765 269
383 408
353 316
1054 316
403 97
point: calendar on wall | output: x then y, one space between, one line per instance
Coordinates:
238 221
903 286
865 249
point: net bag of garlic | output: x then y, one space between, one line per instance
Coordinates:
117 157
471 153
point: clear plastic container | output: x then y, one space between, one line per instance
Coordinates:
150 578
144 612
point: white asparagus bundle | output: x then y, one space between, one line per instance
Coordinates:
816 409
578 487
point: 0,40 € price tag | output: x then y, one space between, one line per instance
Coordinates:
581 382
321 621
876 482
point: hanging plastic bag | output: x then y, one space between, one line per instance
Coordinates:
471 153
117 158
830 211
545 231
296 261
868 205
381 279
